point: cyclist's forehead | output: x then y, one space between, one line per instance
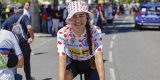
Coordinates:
79 13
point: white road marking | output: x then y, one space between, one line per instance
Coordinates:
112 74
111 70
114 37
111 44
110 57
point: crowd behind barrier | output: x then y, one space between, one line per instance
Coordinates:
51 20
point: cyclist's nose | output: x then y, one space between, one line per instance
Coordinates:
77 18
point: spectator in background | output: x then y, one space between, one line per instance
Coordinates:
49 19
95 13
55 19
135 7
41 11
65 13
62 8
100 19
44 21
7 11
114 7
25 9
109 16
121 8
1 8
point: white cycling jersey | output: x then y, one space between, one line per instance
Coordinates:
75 46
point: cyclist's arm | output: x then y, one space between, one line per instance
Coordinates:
98 54
61 67
100 65
61 55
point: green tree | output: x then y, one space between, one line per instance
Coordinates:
125 1
129 1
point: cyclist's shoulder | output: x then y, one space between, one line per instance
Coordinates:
63 29
95 29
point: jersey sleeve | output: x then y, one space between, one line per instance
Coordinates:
97 40
61 43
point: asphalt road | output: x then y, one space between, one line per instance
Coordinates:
129 54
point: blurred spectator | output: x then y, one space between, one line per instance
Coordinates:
44 21
55 19
41 11
109 11
135 7
1 7
25 9
65 13
100 19
49 19
7 11
114 7
121 9
95 13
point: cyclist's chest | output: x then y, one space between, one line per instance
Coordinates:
77 45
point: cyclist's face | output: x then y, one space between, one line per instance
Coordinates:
78 20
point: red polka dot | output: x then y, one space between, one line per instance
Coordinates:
80 45
80 40
99 49
65 35
70 35
100 39
95 39
60 32
94 45
85 35
63 53
59 42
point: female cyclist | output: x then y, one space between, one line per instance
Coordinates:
79 45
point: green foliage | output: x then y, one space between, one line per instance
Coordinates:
129 1
16 1
20 1
125 1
